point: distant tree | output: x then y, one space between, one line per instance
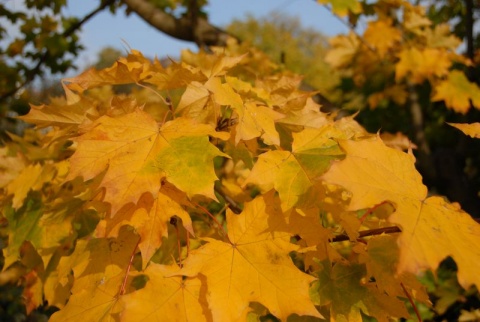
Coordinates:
106 57
286 42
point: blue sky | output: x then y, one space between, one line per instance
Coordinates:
106 29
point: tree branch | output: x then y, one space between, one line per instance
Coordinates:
32 73
374 232
199 31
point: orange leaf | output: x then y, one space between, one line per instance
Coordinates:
472 129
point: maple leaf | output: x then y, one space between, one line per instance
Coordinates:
415 19
422 64
381 256
173 297
432 229
193 101
253 120
472 129
32 177
211 65
382 36
340 287
457 91
308 116
292 174
131 69
343 7
150 216
30 223
344 49
59 114
10 166
136 154
441 36
99 267
176 75
253 266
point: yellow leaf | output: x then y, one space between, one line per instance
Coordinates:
131 69
31 177
136 154
422 64
99 267
442 37
253 120
343 7
193 101
294 173
254 266
343 50
342 287
457 92
211 65
150 217
415 19
432 229
382 36
472 129
10 166
172 298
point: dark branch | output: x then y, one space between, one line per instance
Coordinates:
368 233
32 73
374 232
231 203
199 30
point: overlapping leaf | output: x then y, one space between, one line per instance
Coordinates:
172 298
472 129
99 267
294 173
457 92
340 287
432 229
253 266
136 154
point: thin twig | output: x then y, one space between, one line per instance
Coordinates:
411 302
214 219
369 211
374 232
231 203
124 283
30 74
368 233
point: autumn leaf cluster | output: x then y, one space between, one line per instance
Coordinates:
403 49
217 190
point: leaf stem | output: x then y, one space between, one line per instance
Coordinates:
411 302
368 233
124 283
229 201
214 219
372 209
